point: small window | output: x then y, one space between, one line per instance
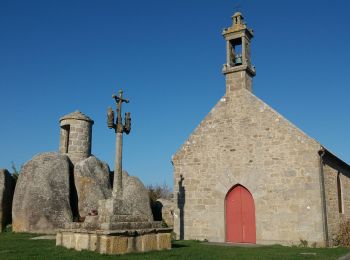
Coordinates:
340 193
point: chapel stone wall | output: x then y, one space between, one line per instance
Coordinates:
244 141
336 215
238 80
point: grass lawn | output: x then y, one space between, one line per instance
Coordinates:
19 246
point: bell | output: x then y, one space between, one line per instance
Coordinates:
238 59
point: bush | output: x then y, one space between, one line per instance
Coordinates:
342 238
156 192
8 228
15 173
159 192
173 236
303 243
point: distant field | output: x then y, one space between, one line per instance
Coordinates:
19 246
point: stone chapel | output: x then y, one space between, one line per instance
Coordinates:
248 175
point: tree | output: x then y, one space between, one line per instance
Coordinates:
15 172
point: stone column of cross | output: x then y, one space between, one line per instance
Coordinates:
119 128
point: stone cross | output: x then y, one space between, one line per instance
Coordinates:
119 128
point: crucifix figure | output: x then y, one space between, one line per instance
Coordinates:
119 128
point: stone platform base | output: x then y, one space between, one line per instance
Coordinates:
115 241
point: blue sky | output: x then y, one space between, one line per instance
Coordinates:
60 56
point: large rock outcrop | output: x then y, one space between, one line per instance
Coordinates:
135 196
7 186
41 201
92 182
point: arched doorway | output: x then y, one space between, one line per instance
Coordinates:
240 216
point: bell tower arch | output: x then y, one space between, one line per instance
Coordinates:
238 69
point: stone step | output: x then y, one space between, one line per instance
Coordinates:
73 225
122 218
130 225
113 225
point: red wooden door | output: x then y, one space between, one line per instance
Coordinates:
240 216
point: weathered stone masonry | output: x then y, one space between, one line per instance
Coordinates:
243 141
337 194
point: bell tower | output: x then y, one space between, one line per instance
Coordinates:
238 69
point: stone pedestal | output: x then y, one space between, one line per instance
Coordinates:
115 231
115 241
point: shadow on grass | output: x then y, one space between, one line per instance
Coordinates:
175 245
178 244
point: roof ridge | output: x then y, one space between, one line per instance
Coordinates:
77 115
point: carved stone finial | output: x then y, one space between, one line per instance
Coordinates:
238 21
